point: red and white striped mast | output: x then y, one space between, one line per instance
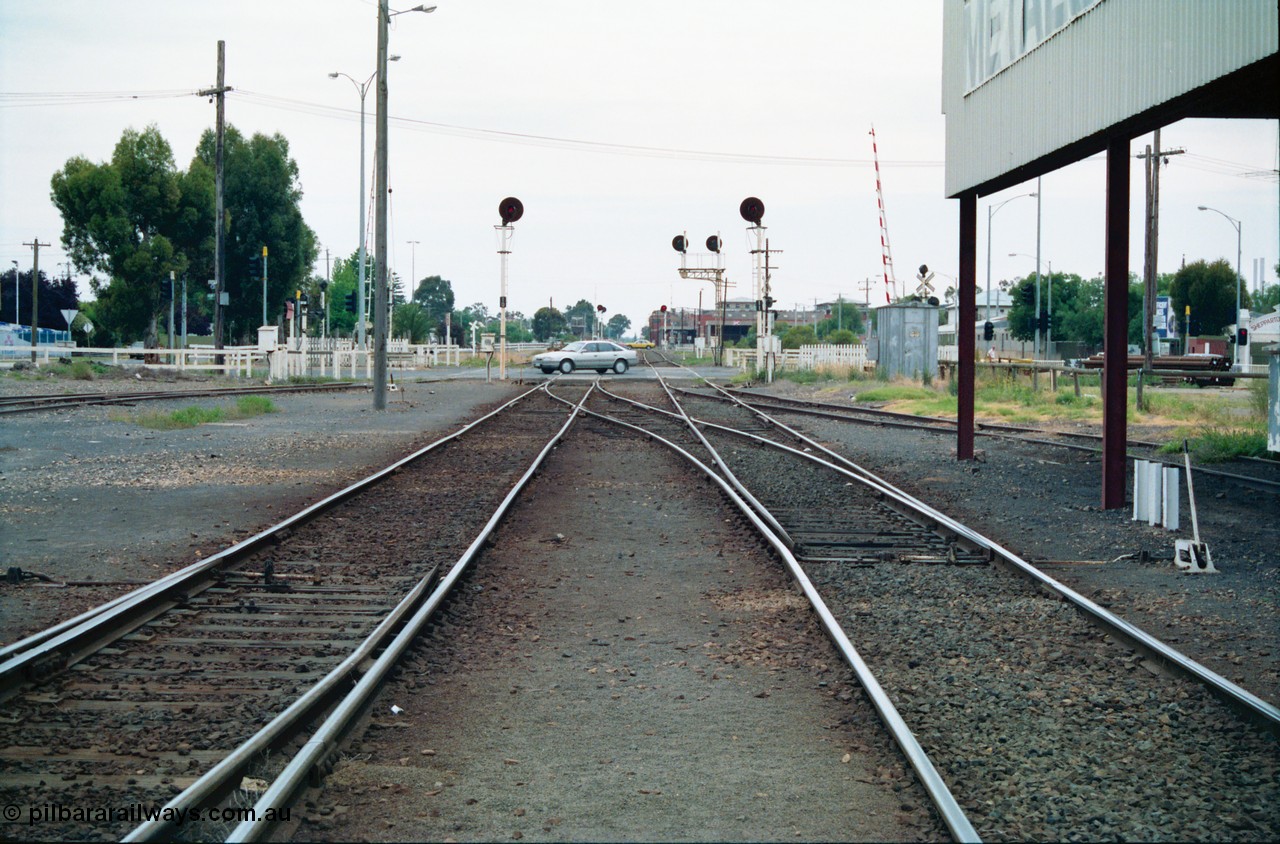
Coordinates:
890 282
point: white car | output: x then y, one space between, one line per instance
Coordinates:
600 355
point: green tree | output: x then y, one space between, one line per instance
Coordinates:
580 317
121 218
841 337
617 325
1266 299
843 315
547 323
1210 291
435 296
799 335
262 195
411 321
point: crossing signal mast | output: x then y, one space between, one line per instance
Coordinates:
886 254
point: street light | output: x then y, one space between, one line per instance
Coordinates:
362 88
991 212
1237 224
380 210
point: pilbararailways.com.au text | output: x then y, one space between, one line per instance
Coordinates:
138 813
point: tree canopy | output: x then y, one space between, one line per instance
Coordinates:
617 325
548 322
56 295
122 218
1210 291
435 296
136 218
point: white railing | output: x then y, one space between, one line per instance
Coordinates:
851 356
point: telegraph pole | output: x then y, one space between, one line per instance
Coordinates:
1152 158
219 213
35 245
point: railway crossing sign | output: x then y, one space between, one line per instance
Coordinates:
925 288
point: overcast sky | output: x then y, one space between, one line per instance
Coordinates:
619 125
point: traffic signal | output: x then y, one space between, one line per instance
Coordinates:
1242 336
713 243
679 243
988 330
752 210
1028 295
1044 322
351 301
510 209
663 309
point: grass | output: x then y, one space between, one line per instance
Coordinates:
1218 445
189 417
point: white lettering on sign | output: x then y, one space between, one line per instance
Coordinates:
999 32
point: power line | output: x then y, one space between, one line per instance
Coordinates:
500 136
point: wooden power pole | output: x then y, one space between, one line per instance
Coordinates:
1152 161
35 245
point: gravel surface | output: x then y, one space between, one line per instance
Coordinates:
1043 504
82 497
87 495
602 676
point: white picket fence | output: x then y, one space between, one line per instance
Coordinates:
823 356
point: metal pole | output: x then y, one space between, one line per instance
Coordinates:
1115 327
17 290
360 317
264 286
1048 333
1037 354
505 234
380 222
1239 279
184 312
990 214
172 298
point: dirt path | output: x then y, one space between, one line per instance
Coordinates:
606 676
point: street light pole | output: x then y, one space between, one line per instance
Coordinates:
362 88
1238 226
1037 344
991 212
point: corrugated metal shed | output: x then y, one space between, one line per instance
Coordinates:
1099 73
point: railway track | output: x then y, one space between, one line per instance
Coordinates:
992 679
62 401
1261 475
211 675
1046 715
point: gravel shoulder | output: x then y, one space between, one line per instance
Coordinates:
88 496
1043 503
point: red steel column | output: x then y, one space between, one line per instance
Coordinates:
964 326
1115 331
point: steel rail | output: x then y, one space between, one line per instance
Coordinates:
949 809
221 778
1235 695
326 738
1003 431
69 641
50 401
941 420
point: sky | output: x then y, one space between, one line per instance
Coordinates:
618 126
